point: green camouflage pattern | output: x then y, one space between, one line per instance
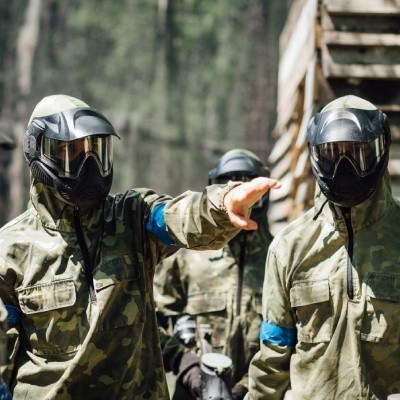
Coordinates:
346 349
204 284
67 346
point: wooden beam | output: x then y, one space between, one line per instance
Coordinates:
333 70
294 58
284 190
372 7
283 144
360 39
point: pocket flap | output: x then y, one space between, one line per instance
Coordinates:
309 292
201 303
47 296
118 269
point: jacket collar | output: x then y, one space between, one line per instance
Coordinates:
362 215
58 215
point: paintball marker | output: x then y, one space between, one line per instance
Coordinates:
215 369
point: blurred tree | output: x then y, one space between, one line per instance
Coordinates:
182 81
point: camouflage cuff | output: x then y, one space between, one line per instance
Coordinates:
229 186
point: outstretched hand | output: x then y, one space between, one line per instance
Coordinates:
240 199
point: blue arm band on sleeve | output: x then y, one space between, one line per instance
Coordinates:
13 314
4 392
156 225
278 335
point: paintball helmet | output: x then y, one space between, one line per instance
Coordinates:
68 147
241 165
349 143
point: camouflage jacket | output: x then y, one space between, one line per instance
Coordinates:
331 308
205 285
67 345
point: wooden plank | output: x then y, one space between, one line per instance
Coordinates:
281 146
302 167
363 22
284 190
303 192
375 7
333 70
360 48
360 39
286 111
279 210
282 167
394 167
310 86
290 23
295 57
301 137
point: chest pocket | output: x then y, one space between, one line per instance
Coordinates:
381 321
121 292
310 299
50 321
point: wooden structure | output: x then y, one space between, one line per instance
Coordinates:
330 48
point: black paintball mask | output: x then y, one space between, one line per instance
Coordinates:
243 166
71 152
349 151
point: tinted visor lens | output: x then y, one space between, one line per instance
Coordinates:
236 177
68 157
364 156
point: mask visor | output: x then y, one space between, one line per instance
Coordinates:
364 156
68 157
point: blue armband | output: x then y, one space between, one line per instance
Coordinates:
13 314
156 225
4 392
277 334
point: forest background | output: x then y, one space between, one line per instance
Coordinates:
182 81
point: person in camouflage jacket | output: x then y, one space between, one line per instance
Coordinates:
76 269
331 298
222 288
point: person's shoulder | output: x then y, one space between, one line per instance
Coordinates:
15 224
295 230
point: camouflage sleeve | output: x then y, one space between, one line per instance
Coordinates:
269 368
12 333
198 220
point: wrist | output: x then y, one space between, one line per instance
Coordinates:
228 187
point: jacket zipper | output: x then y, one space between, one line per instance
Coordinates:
86 256
242 255
347 219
